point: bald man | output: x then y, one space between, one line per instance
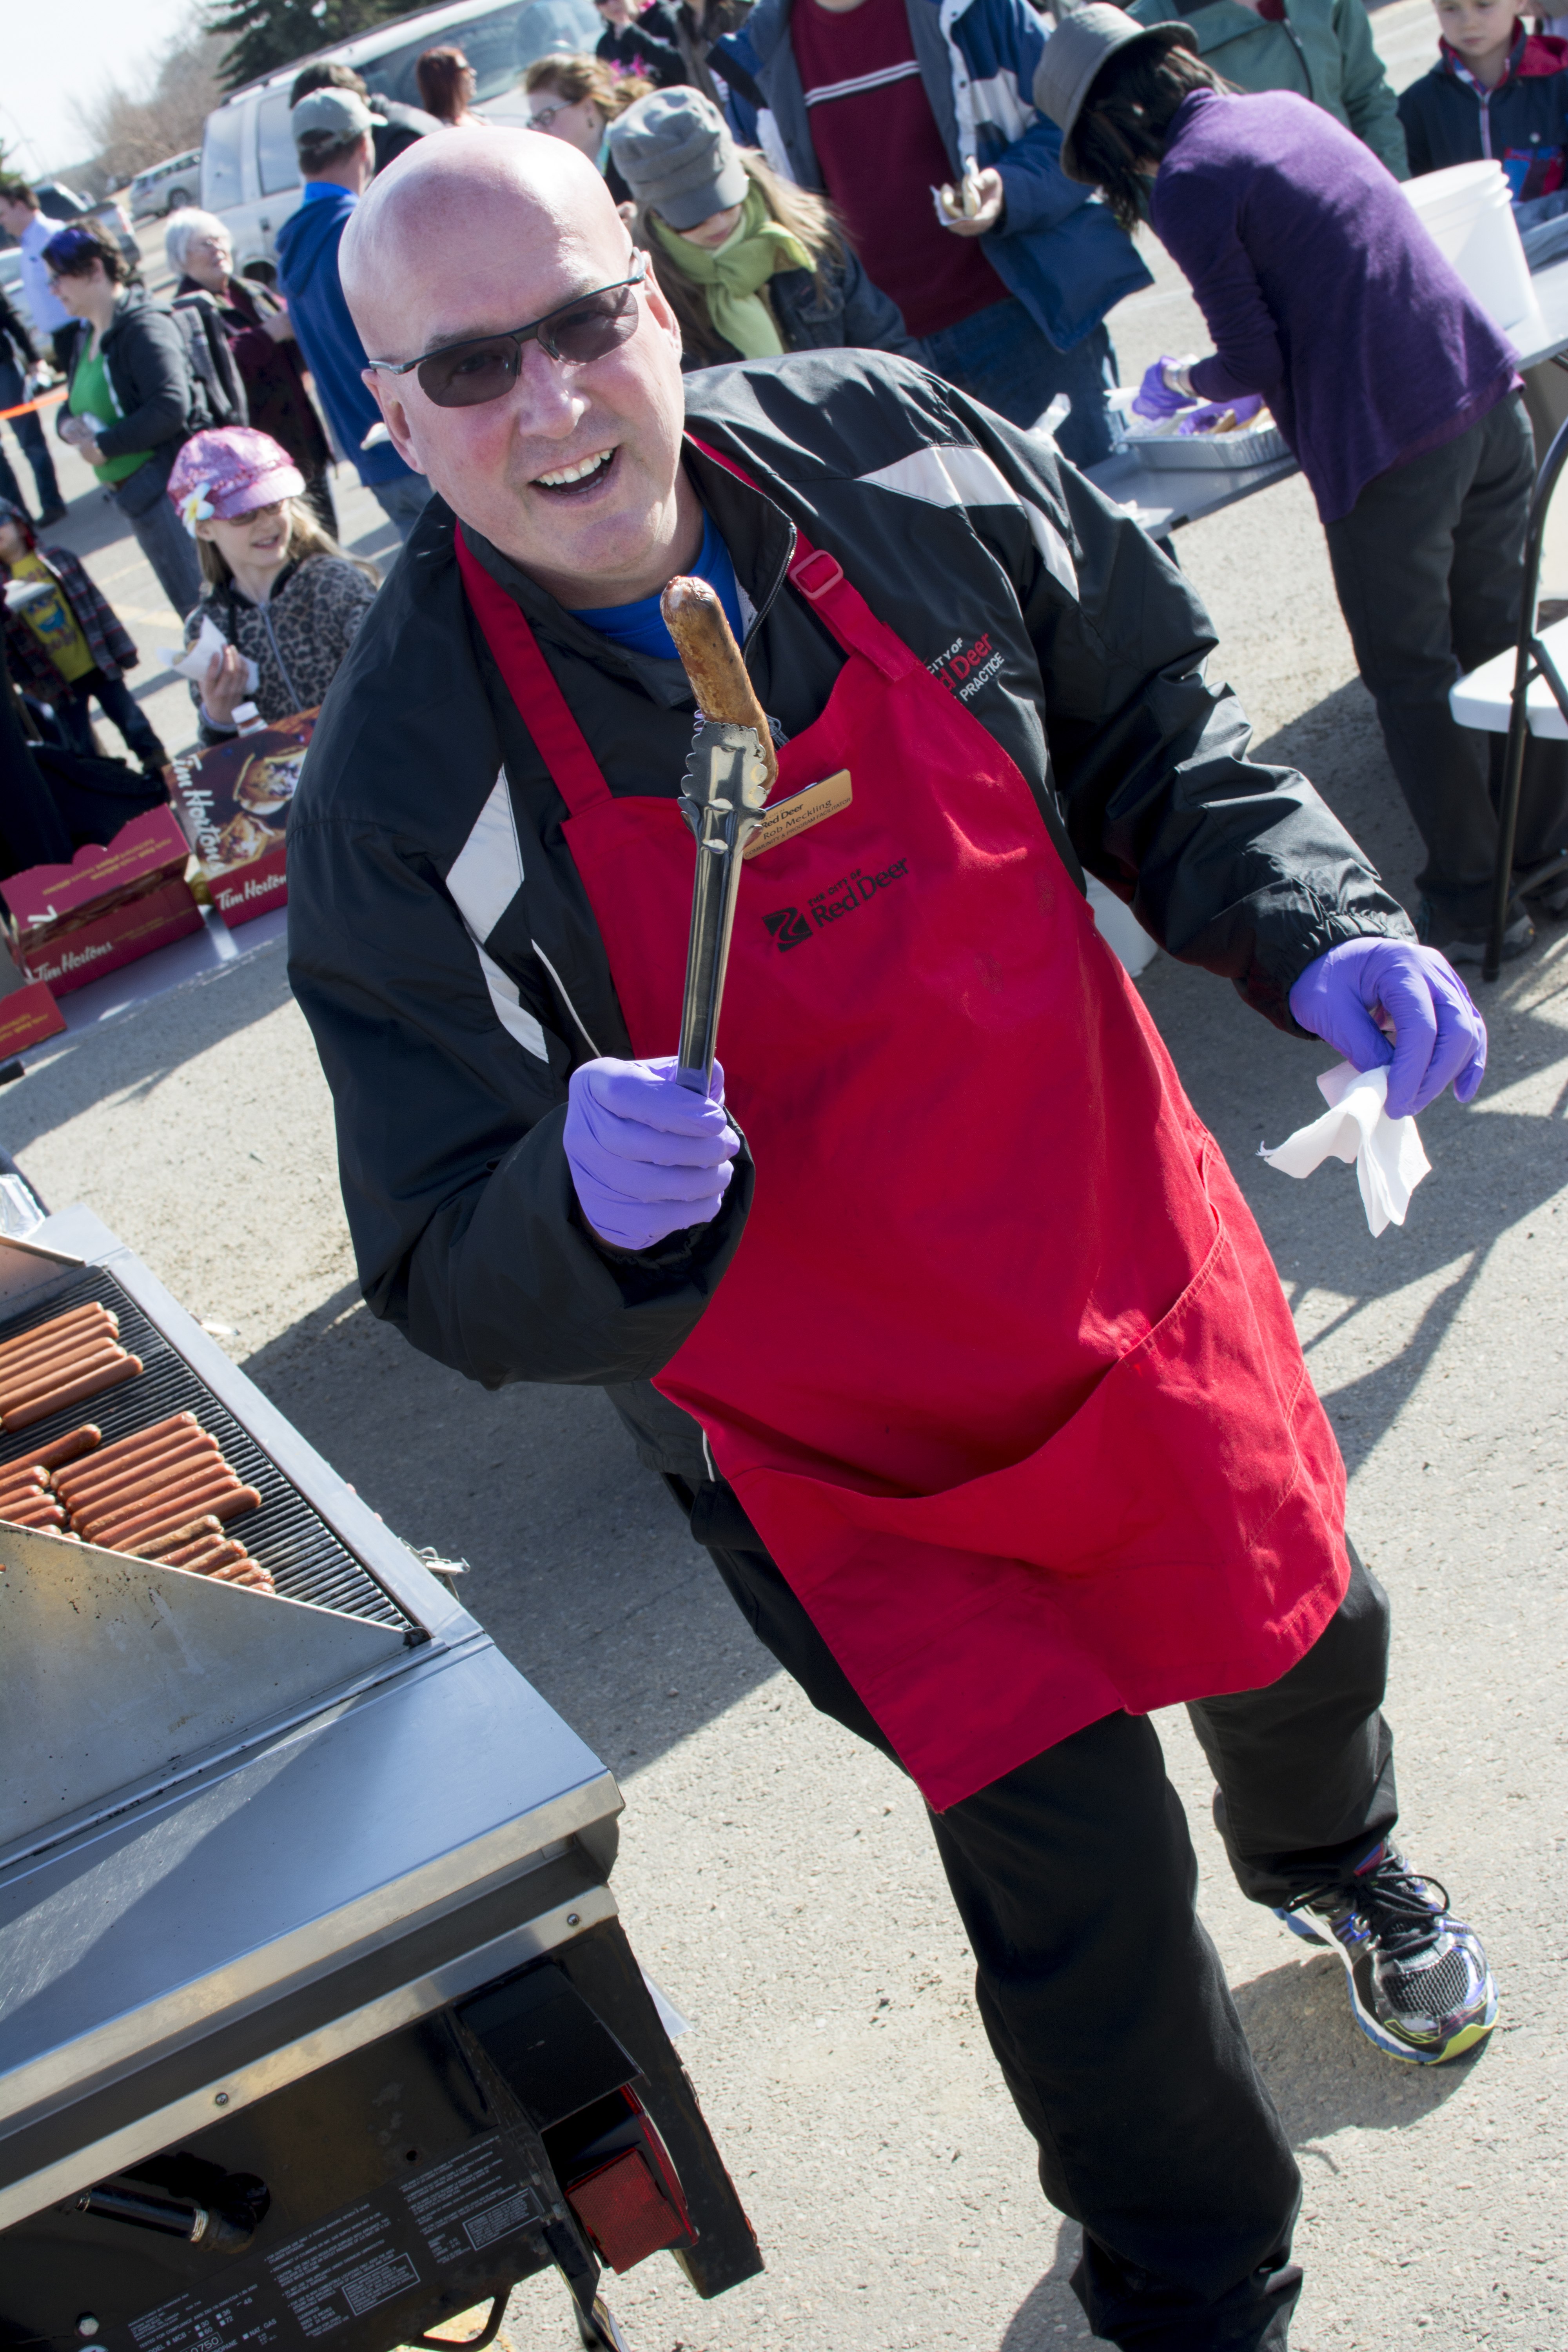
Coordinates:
946 1329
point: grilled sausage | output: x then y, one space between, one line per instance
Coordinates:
224 1506
712 660
23 1340
41 1349
74 1447
202 1530
93 1384
183 1455
123 1448
208 1478
85 1485
57 1373
41 1514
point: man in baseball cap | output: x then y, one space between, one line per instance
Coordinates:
333 131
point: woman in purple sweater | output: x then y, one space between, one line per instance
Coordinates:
1324 293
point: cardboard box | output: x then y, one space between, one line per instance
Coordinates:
108 906
235 800
28 1015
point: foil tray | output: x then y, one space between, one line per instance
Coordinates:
1205 452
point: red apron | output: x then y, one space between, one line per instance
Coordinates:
1001 1370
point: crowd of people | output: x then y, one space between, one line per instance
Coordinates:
777 296
807 175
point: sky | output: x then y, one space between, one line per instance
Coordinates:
50 56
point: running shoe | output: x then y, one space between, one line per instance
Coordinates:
1418 1980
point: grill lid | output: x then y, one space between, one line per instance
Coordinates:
117 1670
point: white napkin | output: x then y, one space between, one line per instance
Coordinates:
195 660
1389 1159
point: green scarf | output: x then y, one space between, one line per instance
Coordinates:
733 276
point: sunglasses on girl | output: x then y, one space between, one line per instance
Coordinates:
484 368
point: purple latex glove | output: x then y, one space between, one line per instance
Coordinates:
1438 1033
648 1157
1205 419
1154 396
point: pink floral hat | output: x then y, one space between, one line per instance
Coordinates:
230 473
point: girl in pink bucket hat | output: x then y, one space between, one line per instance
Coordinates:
282 596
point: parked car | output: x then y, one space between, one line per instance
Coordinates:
249 172
11 286
164 187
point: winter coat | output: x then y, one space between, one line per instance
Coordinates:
15 342
296 639
1323 49
107 640
308 246
836 311
648 45
448 1048
1058 249
1523 123
144 355
273 373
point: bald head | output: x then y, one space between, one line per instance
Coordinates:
454 223
572 467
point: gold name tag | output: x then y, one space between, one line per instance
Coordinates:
800 812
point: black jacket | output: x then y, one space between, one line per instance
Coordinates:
1523 123
450 1002
15 342
649 46
145 360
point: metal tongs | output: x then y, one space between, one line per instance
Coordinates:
730 771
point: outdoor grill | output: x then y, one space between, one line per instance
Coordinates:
317 2022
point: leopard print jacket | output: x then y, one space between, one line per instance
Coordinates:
296 639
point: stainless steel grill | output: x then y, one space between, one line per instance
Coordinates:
274 1871
307 1560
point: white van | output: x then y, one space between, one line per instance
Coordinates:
250 176
166 187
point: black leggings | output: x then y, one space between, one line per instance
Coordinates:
1103 1998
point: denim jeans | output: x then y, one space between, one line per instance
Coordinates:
30 433
1000 357
172 552
402 500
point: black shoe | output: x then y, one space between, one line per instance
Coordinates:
57 513
1466 946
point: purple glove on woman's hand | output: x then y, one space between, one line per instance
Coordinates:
1438 1033
648 1157
1154 396
1205 419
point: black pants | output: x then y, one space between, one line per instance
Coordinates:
1104 2000
1429 566
118 706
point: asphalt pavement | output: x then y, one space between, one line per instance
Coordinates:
778 1879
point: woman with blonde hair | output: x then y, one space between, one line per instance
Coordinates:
753 266
283 595
577 98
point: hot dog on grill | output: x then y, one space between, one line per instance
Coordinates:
92 1385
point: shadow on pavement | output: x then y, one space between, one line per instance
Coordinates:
141 1047
580 1566
1050 2314
1322 2073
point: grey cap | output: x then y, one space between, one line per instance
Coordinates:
1074 55
676 155
340 113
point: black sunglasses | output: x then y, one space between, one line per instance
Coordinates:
465 376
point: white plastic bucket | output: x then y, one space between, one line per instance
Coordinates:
1467 213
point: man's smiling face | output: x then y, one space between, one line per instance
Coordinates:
574 471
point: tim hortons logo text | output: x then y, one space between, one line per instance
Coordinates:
964 669
791 927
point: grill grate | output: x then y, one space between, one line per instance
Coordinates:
287 1535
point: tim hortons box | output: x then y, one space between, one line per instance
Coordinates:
235 799
108 906
28 1013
